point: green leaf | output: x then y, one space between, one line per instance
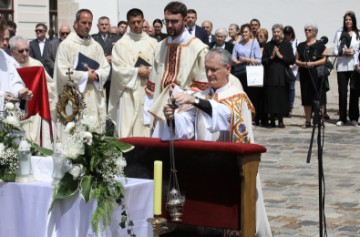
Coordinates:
85 184
123 222
119 192
41 150
94 162
66 187
124 147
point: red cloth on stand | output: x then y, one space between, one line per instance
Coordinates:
35 80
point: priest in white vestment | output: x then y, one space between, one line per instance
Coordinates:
179 59
221 113
129 78
90 82
36 129
11 85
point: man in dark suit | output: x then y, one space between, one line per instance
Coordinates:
208 26
107 41
122 25
51 48
194 29
37 45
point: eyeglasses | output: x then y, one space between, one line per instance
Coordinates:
170 21
21 51
39 31
64 33
308 30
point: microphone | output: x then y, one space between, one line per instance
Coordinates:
344 40
324 39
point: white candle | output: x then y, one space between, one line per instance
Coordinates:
157 187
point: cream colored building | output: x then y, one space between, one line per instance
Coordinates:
327 14
27 13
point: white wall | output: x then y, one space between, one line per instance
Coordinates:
327 14
28 13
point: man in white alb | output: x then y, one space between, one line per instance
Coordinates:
90 82
127 92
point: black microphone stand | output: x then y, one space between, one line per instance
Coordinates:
318 122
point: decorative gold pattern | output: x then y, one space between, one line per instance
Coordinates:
71 96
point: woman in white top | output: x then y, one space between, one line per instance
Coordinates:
347 47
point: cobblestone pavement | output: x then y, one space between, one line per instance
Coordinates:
290 185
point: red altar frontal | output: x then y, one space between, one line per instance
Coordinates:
217 178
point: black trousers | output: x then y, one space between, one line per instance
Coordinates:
343 79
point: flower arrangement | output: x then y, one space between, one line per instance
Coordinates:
10 133
96 163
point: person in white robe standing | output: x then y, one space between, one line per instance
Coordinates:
221 113
179 59
92 80
129 79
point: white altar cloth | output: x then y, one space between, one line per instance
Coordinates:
24 208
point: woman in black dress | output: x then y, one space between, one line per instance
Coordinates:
309 55
277 55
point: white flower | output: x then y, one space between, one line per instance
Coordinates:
69 127
72 147
120 162
88 138
12 120
9 106
76 171
2 148
91 122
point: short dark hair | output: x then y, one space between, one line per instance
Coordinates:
78 13
122 23
192 11
43 25
134 12
176 8
157 21
11 24
256 21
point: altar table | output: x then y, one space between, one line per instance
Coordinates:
24 208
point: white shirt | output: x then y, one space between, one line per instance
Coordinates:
41 46
10 81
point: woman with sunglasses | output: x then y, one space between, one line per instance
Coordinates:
347 47
310 55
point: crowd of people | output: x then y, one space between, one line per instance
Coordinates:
187 78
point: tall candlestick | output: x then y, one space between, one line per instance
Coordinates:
157 187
